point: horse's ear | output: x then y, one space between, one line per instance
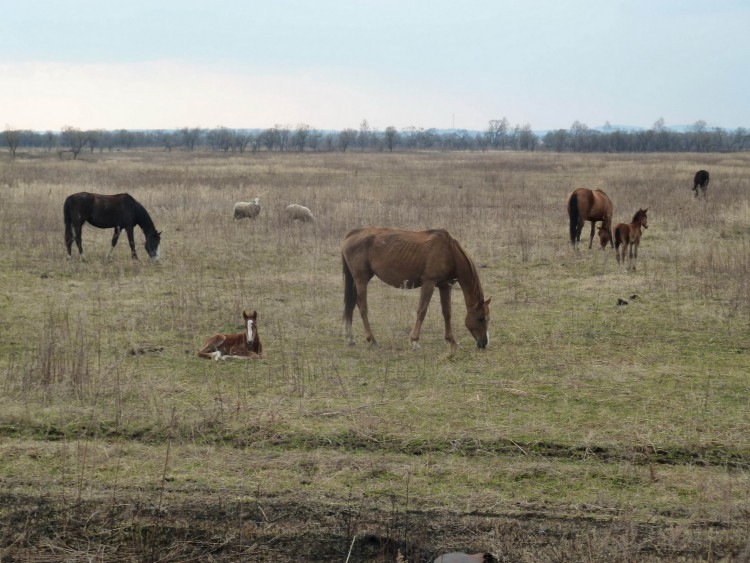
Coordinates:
245 315
484 302
254 316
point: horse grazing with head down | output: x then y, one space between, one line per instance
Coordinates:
242 346
700 182
629 236
119 211
588 205
411 259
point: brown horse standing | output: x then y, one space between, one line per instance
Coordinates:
410 259
587 205
700 181
242 346
630 236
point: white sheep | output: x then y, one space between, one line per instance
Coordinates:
296 212
249 209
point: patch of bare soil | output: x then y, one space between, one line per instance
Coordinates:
203 526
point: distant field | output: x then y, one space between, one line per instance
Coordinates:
586 431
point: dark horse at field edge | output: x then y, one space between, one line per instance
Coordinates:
700 182
120 211
588 205
411 259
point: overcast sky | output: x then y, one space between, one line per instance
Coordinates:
153 64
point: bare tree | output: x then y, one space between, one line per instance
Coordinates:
12 138
363 138
391 137
497 131
190 137
346 138
49 140
74 138
301 135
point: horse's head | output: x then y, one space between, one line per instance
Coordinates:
152 244
251 325
643 217
477 320
604 237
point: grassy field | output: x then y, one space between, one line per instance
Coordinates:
587 430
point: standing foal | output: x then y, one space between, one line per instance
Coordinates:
629 236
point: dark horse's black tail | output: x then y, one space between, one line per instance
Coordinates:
573 214
350 291
68 224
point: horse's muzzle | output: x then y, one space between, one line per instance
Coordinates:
482 343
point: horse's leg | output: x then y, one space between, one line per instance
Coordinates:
114 241
131 240
78 228
362 305
591 238
579 230
68 237
210 349
634 252
445 303
425 295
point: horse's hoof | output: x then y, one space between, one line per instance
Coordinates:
415 345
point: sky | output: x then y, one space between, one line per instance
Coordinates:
165 64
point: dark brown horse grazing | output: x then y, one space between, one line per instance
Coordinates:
700 181
242 346
630 236
410 259
587 205
119 211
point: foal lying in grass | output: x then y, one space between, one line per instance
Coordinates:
242 346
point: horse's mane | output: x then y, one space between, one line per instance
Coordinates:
142 217
476 284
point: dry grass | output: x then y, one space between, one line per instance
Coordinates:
623 430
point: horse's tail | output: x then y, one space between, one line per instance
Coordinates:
618 237
68 223
574 216
350 292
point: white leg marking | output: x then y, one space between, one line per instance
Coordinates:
216 355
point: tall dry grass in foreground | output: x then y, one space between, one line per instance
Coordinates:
621 430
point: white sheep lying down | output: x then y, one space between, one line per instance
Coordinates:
249 209
296 212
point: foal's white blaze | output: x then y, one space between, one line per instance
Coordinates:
249 334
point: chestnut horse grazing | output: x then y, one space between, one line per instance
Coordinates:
119 211
587 205
410 259
700 181
242 346
629 236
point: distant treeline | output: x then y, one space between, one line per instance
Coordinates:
498 136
